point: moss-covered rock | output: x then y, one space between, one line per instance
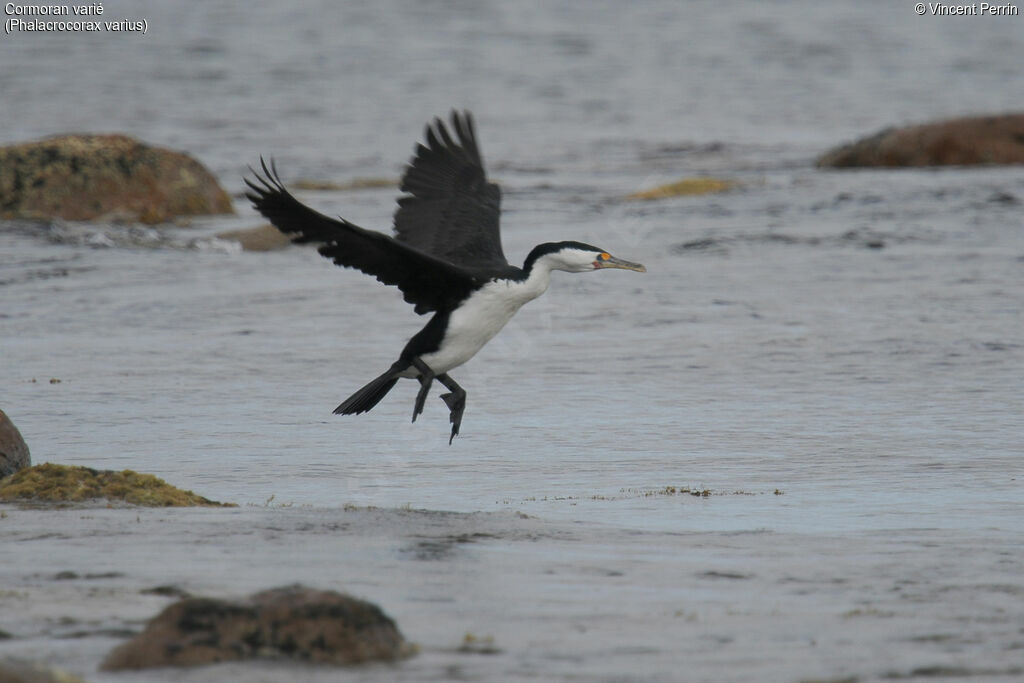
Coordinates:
104 177
48 483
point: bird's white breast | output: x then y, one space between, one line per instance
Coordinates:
479 318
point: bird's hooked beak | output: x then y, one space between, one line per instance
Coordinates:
609 261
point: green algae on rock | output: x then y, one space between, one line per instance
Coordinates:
686 187
49 483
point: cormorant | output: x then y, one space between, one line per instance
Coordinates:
445 257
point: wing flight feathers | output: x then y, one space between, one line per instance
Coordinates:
450 209
426 281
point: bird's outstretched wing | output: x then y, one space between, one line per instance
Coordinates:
451 211
426 281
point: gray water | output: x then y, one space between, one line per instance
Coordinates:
836 356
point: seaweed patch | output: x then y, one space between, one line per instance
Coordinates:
49 483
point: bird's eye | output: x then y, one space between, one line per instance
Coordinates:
604 256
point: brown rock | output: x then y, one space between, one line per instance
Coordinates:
981 140
354 184
91 177
13 671
13 450
263 238
293 622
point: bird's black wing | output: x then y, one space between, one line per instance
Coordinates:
426 281
451 211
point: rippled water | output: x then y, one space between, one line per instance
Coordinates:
851 341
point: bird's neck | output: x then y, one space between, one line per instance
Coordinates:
536 278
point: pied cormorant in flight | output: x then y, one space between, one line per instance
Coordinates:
445 256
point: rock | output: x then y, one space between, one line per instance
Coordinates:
982 140
13 671
292 622
685 187
13 450
49 483
354 184
263 238
104 177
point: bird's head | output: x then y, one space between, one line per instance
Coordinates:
576 257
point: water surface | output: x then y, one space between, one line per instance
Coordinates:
836 357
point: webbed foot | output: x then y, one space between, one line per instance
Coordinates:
456 402
426 378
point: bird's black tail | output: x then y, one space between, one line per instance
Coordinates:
369 396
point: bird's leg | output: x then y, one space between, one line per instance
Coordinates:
426 378
456 402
